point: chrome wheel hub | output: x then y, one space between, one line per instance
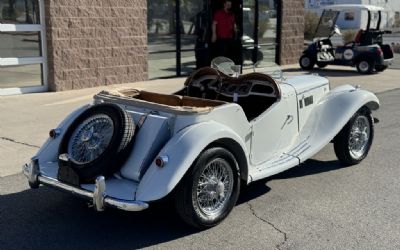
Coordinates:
91 138
364 66
359 137
214 187
305 61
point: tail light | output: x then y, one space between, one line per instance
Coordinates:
379 52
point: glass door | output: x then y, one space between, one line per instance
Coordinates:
259 31
23 64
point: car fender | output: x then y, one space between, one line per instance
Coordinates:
182 150
49 151
331 114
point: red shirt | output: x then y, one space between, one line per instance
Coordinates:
225 24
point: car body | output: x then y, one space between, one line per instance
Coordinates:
367 52
215 134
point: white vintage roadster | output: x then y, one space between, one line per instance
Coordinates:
199 145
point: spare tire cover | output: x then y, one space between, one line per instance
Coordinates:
98 141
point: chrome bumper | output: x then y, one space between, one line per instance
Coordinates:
98 197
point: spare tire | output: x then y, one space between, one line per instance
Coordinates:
98 141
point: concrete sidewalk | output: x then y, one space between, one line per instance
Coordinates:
26 119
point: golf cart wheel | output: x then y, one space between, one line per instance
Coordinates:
354 141
365 66
209 190
321 65
306 62
98 141
380 68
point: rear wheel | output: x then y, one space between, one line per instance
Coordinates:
354 141
209 190
306 62
365 66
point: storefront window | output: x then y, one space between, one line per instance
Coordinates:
161 36
19 44
19 11
20 76
191 11
192 47
22 46
265 41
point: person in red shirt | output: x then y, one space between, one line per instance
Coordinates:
224 31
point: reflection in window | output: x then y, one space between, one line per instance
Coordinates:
19 44
19 11
161 38
191 11
267 25
20 76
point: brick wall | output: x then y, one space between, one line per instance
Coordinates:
95 42
292 31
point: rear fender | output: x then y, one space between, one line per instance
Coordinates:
182 150
49 151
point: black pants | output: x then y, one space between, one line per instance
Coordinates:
228 48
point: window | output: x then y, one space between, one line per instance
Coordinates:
23 62
349 16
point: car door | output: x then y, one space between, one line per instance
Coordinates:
276 129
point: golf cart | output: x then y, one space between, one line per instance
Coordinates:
367 52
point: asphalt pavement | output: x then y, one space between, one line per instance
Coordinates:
317 205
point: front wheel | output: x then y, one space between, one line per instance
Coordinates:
354 141
306 62
210 189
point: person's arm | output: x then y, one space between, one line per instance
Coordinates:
214 32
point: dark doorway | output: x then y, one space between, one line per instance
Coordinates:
180 34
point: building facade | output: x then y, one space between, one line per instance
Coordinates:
72 44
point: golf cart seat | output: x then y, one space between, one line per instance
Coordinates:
357 38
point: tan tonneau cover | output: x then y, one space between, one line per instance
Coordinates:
161 102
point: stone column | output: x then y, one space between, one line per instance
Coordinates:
95 42
291 44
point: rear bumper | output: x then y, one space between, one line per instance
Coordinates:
387 62
98 196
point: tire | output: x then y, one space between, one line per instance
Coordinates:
365 66
380 68
102 155
321 65
345 150
188 198
306 62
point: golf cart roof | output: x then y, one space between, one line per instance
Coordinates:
341 7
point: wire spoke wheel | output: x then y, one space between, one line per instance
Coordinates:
214 187
91 138
97 142
354 141
210 189
359 137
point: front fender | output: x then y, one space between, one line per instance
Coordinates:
332 114
182 150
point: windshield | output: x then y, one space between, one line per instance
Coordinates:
326 23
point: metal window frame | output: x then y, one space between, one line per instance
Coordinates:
42 60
